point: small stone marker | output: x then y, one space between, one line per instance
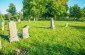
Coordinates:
29 20
34 19
0 44
19 20
52 24
66 25
2 26
25 32
13 32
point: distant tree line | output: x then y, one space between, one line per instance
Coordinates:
44 9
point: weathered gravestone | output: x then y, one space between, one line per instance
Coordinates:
0 44
28 20
66 25
25 32
13 32
19 20
34 19
52 24
2 26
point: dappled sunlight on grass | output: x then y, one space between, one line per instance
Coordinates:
45 41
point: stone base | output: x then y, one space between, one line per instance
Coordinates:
13 39
25 36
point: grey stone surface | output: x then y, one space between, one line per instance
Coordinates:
25 32
13 36
66 25
19 20
28 20
2 26
34 19
52 25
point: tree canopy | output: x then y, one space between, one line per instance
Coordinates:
50 8
12 9
75 11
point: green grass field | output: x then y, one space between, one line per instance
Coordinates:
45 41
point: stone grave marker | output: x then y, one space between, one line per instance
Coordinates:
19 20
34 19
25 32
52 24
28 20
66 25
13 36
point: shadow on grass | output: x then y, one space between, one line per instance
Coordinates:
44 27
20 35
79 27
5 37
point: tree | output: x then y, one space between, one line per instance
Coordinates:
1 17
55 8
12 9
38 8
34 8
75 12
83 12
9 16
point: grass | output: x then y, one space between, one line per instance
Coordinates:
45 41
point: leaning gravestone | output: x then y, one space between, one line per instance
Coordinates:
52 24
0 44
13 32
2 26
66 25
25 32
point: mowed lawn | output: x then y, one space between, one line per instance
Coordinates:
45 41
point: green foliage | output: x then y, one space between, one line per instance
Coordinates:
75 11
9 16
1 17
12 9
83 12
48 8
45 41
18 16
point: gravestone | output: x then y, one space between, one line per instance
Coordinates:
1 21
13 36
0 44
19 20
66 25
28 20
34 19
2 26
52 24
25 32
